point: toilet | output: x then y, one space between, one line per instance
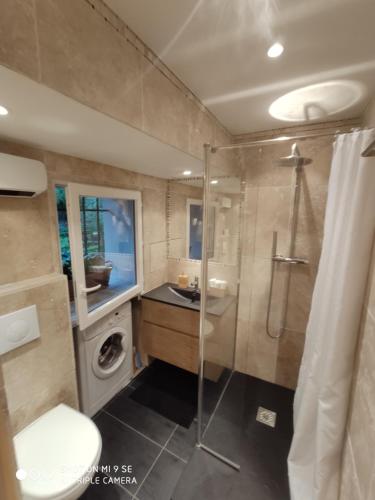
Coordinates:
57 455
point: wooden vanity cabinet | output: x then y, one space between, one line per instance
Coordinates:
171 333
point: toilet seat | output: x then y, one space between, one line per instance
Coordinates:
59 452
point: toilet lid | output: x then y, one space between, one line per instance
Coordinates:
56 451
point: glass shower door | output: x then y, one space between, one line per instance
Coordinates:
220 277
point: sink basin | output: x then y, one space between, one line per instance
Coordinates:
186 293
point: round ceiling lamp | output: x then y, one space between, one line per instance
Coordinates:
318 101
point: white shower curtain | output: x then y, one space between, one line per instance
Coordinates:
323 391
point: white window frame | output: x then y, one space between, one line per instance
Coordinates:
73 193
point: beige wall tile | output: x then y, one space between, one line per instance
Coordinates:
158 255
18 47
154 215
201 130
176 248
242 347
289 355
83 57
163 108
248 221
25 238
273 214
267 207
40 374
302 280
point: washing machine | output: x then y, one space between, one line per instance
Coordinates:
104 358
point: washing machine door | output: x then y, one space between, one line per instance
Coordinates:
111 352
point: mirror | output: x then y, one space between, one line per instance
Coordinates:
185 215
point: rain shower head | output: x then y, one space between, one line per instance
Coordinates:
293 160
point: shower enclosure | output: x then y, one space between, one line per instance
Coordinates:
268 233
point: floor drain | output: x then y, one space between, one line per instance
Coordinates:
266 417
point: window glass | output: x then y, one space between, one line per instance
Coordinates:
62 217
108 240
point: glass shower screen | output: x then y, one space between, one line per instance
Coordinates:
220 273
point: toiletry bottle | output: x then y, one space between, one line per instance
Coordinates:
183 280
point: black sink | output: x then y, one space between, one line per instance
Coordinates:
186 293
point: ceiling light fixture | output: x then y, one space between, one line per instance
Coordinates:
3 111
186 172
318 101
275 50
214 181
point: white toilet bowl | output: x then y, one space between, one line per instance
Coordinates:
57 455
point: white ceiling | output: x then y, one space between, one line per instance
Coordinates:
218 49
41 117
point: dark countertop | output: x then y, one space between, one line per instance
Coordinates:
215 305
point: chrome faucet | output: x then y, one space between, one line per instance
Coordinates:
195 284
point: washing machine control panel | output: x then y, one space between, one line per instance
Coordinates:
113 319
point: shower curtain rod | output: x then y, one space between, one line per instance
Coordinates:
369 151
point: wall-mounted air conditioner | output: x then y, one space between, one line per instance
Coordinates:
21 177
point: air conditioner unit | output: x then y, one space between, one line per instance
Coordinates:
21 177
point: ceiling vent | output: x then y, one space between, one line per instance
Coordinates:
21 177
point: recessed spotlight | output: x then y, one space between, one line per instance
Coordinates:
214 181
3 111
275 50
186 172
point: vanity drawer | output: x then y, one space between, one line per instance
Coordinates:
169 316
173 347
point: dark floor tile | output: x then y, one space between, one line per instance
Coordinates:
101 489
245 394
183 441
260 451
234 432
163 478
124 446
140 417
205 477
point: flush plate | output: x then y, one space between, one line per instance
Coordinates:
18 328
266 417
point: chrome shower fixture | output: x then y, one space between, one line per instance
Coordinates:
293 160
296 161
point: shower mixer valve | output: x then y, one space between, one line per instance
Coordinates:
289 260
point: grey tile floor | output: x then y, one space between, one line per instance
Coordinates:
166 463
134 435
260 450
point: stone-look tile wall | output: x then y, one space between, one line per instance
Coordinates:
29 245
34 377
41 374
83 50
358 470
267 207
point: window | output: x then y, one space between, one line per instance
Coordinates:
103 253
